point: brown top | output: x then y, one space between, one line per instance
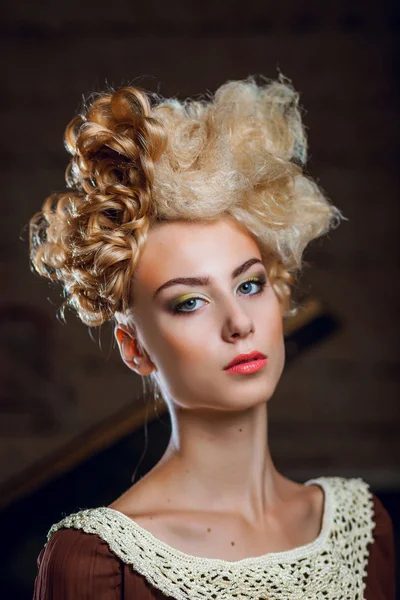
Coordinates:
75 565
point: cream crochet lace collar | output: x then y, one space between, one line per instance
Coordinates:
330 567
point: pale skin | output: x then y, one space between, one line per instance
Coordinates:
216 492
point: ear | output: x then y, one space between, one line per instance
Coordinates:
131 354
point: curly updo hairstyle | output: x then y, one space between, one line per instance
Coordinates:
138 158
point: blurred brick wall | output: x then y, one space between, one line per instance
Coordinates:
336 408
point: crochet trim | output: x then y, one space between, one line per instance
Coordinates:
332 566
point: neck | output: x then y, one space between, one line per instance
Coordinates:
222 461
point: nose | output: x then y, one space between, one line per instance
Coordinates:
237 322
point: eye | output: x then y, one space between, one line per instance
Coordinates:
190 303
258 281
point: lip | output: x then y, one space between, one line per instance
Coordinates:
245 358
245 368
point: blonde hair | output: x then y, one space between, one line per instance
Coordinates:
138 158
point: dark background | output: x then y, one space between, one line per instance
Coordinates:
336 410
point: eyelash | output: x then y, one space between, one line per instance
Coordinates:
261 281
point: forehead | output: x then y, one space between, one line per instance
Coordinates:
183 248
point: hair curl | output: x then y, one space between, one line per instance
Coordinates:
138 158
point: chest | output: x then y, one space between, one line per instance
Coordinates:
231 538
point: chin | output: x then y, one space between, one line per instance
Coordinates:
241 399
257 392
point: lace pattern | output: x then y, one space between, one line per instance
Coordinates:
332 567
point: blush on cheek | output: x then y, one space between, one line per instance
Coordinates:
187 341
275 320
173 351
276 331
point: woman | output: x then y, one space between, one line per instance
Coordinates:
185 224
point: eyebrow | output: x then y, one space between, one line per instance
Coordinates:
205 280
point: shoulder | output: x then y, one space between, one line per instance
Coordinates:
75 547
381 564
79 537
352 494
74 553
74 564
383 521
363 513
355 496
360 499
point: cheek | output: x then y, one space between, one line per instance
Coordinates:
272 332
187 339
175 341
276 327
180 355
278 343
270 318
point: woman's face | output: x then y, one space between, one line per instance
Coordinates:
192 331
